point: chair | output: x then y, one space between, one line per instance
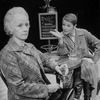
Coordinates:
3 78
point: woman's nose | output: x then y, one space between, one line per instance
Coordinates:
25 28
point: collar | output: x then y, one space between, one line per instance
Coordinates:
77 31
15 47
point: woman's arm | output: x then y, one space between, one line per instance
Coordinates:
48 60
94 44
20 86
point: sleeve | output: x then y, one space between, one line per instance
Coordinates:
93 44
62 49
47 61
20 86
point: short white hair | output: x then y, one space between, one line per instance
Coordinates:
10 16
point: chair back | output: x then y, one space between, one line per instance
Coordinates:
3 78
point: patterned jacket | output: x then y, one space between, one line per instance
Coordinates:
23 70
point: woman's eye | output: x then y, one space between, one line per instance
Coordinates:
27 24
68 25
20 25
63 24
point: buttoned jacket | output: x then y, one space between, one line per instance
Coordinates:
23 70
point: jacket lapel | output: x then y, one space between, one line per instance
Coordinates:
69 42
79 39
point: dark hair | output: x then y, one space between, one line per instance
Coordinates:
70 17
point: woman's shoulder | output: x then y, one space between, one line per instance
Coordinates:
5 49
82 31
30 45
7 52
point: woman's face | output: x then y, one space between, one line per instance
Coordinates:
67 27
20 27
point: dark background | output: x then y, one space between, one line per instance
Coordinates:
88 12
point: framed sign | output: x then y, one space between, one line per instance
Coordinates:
47 22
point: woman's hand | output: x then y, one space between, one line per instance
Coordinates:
53 87
56 33
62 69
59 35
57 68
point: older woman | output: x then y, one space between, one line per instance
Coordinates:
21 63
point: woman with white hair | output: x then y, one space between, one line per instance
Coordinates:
21 63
